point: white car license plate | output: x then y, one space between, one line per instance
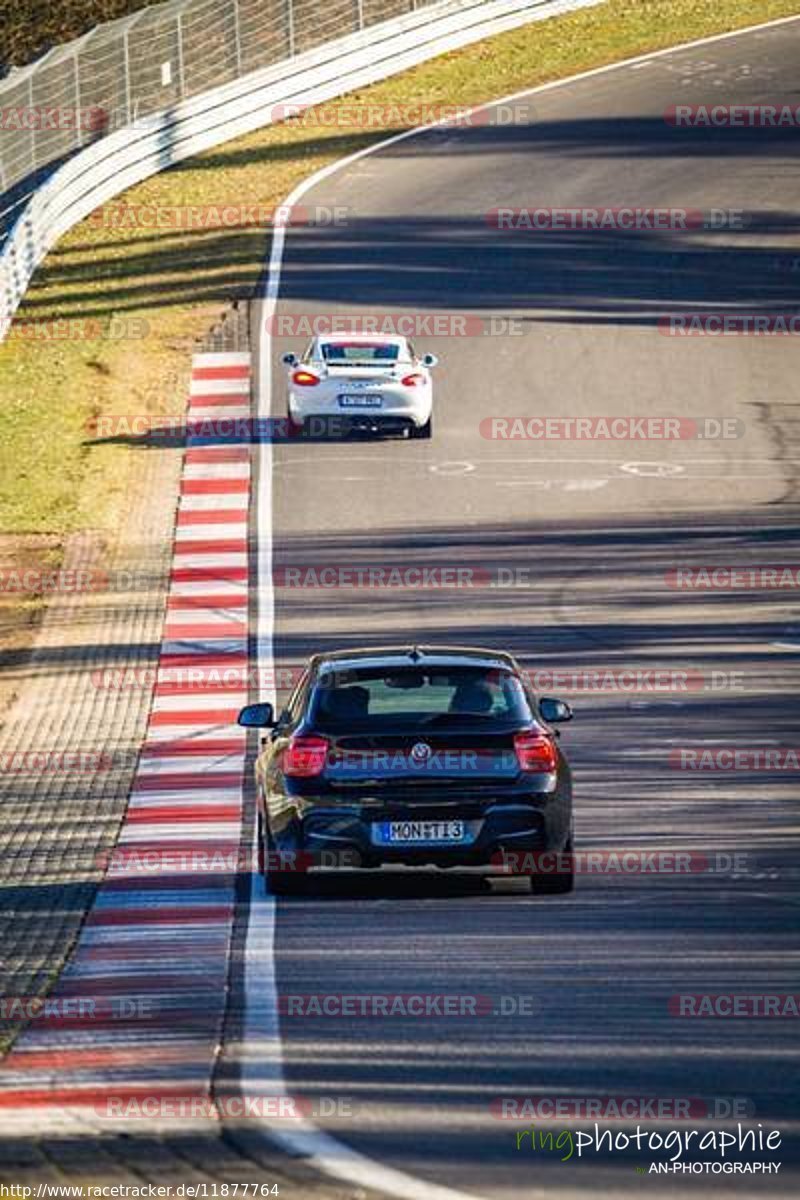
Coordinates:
394 833
368 400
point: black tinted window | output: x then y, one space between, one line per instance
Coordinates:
416 697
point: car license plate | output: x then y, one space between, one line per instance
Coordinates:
394 833
368 400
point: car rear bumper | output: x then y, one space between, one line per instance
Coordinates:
346 424
340 835
399 411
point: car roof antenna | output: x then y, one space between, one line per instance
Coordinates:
416 654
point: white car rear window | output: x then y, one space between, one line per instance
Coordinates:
367 352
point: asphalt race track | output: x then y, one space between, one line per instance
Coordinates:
588 532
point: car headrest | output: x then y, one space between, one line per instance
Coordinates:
472 697
345 703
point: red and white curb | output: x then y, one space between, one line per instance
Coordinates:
137 1012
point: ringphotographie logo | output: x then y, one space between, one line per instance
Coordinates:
676 1142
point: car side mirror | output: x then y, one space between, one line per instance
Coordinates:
257 716
429 360
289 360
554 711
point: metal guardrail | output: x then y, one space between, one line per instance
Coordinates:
116 159
125 70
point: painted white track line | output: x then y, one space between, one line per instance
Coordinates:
262 1073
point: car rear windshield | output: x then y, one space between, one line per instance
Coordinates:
363 352
369 698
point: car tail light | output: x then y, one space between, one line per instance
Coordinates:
305 378
413 380
535 752
305 757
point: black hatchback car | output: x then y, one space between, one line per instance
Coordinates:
418 755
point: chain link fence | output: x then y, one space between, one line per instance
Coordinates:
122 71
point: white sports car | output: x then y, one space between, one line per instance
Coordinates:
371 383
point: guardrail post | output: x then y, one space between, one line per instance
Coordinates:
128 81
76 61
291 28
127 76
32 121
238 36
76 58
360 15
180 54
